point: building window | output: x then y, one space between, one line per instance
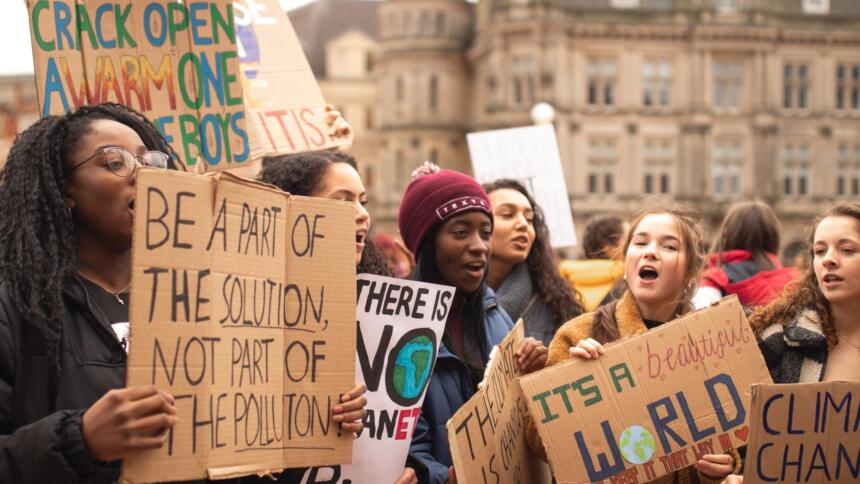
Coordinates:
434 92
795 169
425 23
658 159
407 23
795 86
728 6
602 159
727 167
816 6
399 90
601 81
624 3
848 87
727 84
440 23
848 170
656 82
523 75
368 117
399 169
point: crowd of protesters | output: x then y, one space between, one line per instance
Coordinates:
67 203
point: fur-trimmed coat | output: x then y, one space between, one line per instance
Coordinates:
795 352
629 323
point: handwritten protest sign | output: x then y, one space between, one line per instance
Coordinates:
486 435
400 327
653 403
529 155
243 303
178 62
807 432
286 110
174 61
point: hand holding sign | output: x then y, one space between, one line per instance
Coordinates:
128 420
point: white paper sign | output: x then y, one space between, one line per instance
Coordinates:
400 327
529 155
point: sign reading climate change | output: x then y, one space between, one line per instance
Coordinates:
652 404
242 308
178 62
806 432
400 327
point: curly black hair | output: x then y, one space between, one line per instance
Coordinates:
38 252
302 174
542 263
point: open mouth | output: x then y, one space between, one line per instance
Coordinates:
648 273
521 241
131 205
831 278
476 267
360 236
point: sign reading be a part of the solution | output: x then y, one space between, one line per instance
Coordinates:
242 308
653 403
807 432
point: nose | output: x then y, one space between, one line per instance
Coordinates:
477 245
650 250
362 216
830 259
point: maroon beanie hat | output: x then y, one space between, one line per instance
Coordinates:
434 196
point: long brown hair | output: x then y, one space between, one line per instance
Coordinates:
750 226
556 291
805 294
604 327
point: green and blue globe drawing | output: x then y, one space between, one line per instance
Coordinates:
637 444
409 366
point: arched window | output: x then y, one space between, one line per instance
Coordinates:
434 92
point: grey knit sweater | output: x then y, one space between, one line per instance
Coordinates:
519 300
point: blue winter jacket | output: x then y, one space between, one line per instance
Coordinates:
449 388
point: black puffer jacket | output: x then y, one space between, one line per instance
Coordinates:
40 433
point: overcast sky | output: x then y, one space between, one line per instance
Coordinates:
17 57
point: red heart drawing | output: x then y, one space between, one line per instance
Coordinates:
662 377
742 433
639 368
716 364
738 350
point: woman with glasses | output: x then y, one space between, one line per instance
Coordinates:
66 210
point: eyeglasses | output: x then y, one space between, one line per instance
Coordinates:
123 162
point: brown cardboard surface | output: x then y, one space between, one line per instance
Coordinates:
652 403
178 63
286 110
243 302
805 432
486 435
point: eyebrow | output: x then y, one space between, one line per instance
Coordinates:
646 234
840 241
344 191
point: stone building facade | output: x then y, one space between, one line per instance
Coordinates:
703 102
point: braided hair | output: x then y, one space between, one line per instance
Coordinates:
38 251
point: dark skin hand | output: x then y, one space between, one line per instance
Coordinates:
531 355
350 412
128 420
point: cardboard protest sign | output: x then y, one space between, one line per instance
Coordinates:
178 62
808 432
529 155
486 435
174 61
286 110
653 403
243 303
400 327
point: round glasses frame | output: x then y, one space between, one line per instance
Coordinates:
122 162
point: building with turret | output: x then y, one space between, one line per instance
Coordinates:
703 102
